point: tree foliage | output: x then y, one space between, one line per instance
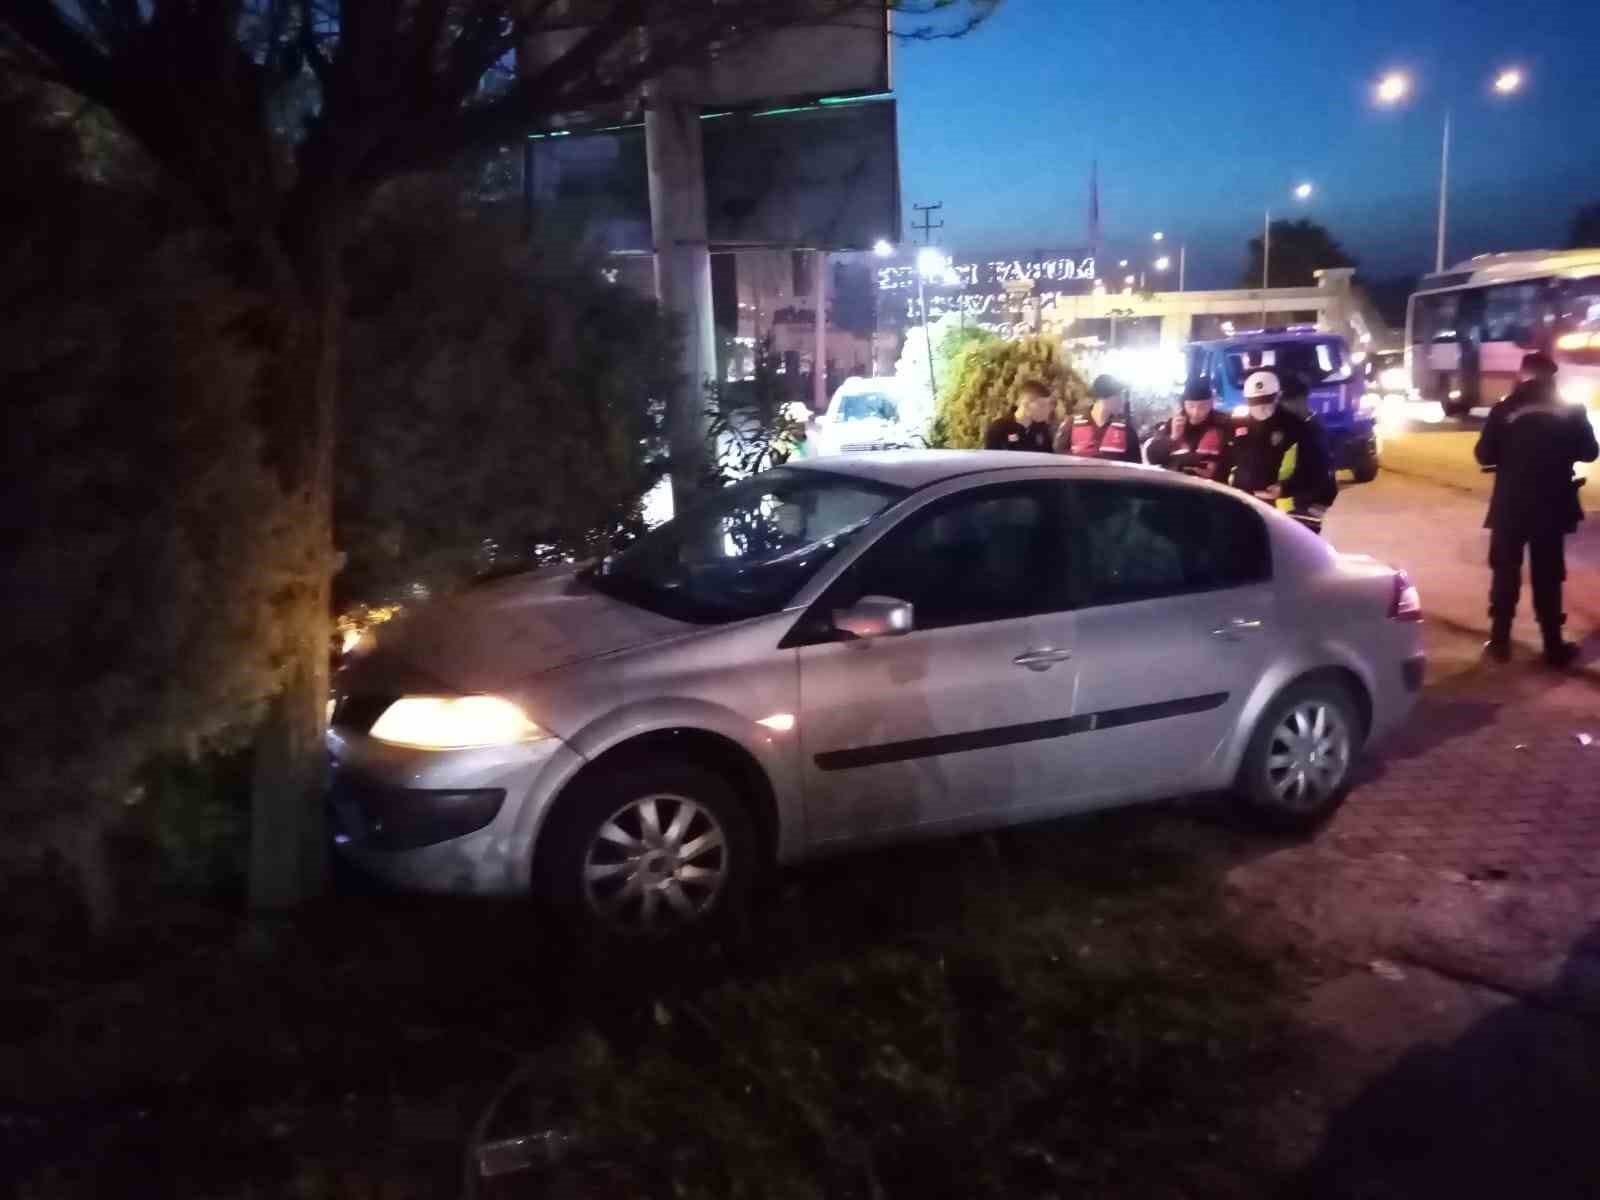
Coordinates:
1585 232
143 559
500 403
1299 250
987 377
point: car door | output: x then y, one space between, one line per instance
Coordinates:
1171 617
935 726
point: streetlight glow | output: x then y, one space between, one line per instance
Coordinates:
1122 262
1393 88
883 248
1157 236
932 263
1162 263
1303 192
1508 81
1128 281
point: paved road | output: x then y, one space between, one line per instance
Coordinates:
1425 513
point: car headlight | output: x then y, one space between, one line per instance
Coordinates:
454 723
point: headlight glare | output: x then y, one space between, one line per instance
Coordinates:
454 723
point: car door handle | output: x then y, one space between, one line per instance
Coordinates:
1041 660
1236 628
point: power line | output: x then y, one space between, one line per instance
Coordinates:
928 224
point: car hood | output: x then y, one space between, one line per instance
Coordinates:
494 635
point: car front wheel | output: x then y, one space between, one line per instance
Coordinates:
1296 770
649 849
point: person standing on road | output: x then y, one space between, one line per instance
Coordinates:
1104 432
1532 441
1029 427
1196 441
1276 455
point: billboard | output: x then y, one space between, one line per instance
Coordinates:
813 176
820 51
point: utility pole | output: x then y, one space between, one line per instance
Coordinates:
927 227
928 223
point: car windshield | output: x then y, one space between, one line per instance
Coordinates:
1315 362
868 406
745 551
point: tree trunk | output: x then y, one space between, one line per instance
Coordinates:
288 852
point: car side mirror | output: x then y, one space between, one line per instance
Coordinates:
875 617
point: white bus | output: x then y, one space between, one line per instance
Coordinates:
1468 328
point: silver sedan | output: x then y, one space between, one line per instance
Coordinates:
862 650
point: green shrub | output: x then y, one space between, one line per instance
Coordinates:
987 377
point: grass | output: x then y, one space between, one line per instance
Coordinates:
1053 1011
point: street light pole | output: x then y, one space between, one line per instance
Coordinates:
1183 255
1266 258
1444 189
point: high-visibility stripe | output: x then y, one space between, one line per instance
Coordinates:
1291 459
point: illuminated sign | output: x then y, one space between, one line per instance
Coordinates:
987 292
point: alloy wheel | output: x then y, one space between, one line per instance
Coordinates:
657 864
1308 755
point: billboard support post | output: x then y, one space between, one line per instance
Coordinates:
676 162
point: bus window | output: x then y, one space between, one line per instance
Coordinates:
1436 317
1511 314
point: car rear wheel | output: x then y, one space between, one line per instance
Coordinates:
1296 770
651 849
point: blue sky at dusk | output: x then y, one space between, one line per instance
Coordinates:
1203 113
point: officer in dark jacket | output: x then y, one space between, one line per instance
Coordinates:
1029 428
1277 457
1195 441
1104 432
1532 440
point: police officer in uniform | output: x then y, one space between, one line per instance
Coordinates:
1029 428
1196 441
1531 441
1277 457
1104 432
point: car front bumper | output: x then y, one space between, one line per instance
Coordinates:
459 821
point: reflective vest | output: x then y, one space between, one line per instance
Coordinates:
1089 440
1204 456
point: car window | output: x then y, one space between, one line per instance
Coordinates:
746 550
980 556
1134 542
868 406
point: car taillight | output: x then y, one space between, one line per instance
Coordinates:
1407 602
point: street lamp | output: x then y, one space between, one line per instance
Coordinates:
1301 192
883 248
1157 236
1395 87
1162 263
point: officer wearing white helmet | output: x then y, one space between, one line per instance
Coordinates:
1276 455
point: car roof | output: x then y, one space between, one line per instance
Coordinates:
923 468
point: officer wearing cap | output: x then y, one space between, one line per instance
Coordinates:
1531 441
1104 432
1196 441
1274 454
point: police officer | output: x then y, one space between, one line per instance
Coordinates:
1104 432
1195 441
1276 457
1029 427
1532 440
